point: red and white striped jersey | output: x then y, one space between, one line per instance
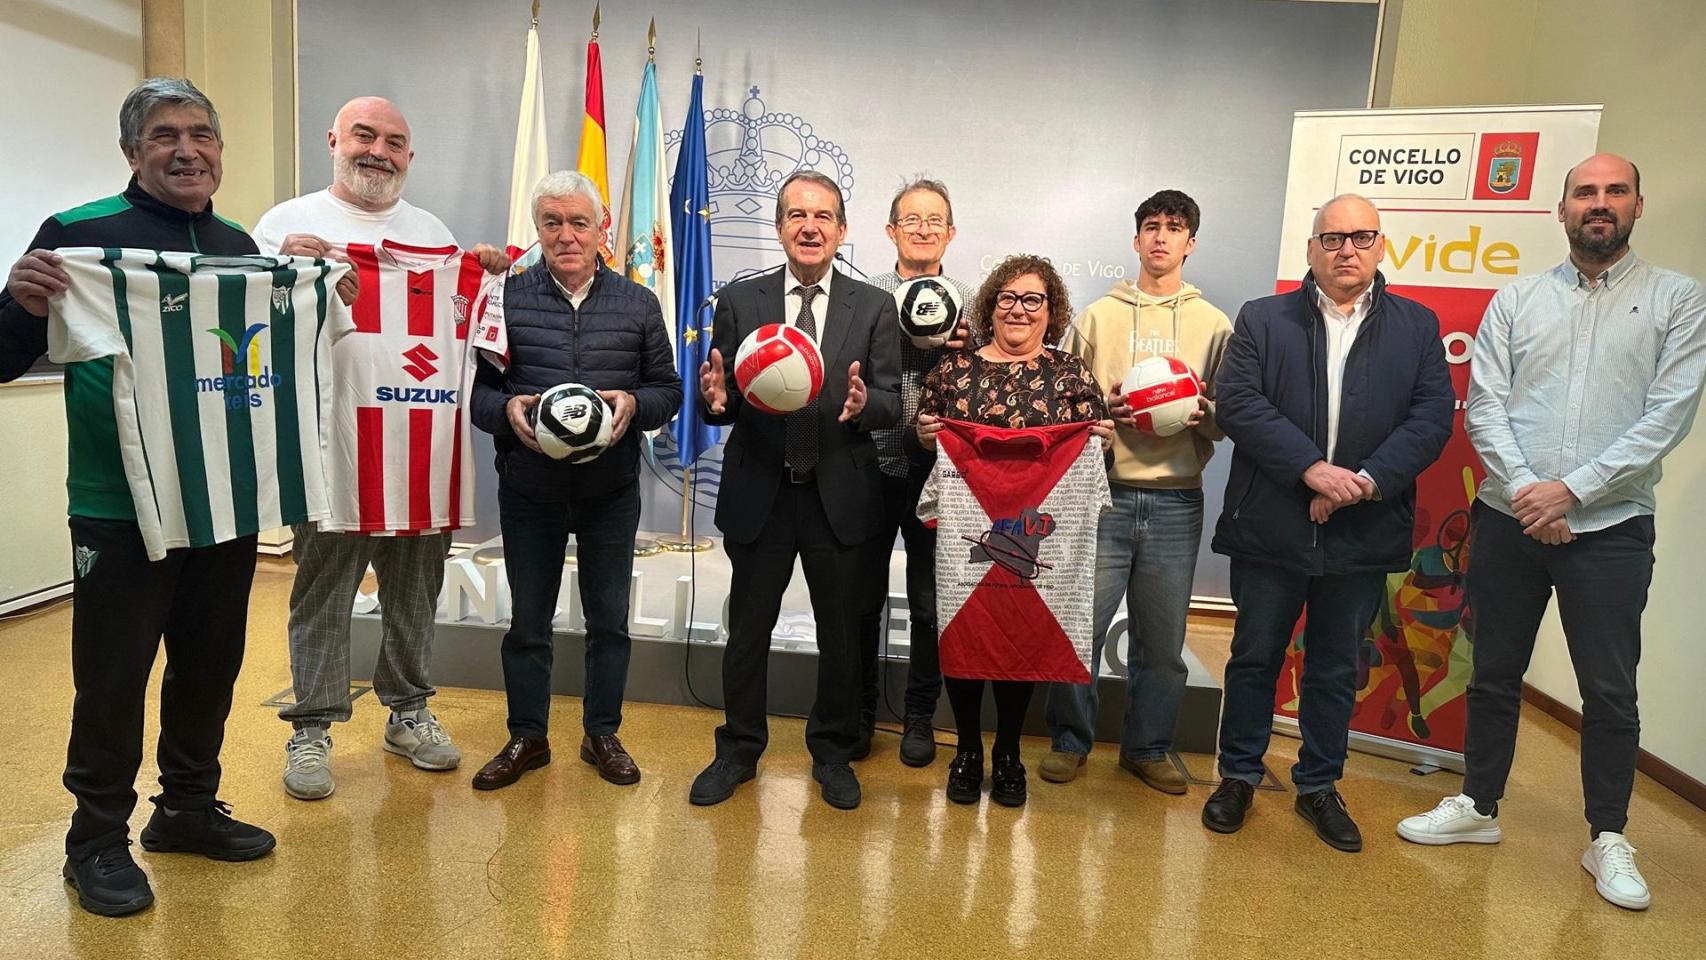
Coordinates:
397 440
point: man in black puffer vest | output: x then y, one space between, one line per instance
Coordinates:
571 320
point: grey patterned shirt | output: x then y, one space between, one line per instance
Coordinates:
1588 384
914 364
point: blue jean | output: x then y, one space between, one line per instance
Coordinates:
1146 553
1340 607
535 533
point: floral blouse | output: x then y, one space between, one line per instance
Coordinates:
1052 387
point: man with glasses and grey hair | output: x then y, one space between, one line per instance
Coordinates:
921 225
1336 396
571 319
197 598
371 148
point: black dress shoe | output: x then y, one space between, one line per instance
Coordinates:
840 786
108 882
717 782
965 777
918 744
210 831
1007 781
1224 812
1325 811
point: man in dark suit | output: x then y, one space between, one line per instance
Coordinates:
805 484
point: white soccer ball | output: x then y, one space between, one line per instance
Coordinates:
1163 394
778 368
929 310
572 422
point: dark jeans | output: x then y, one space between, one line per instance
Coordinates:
797 527
121 605
1012 699
535 533
923 670
1601 579
1146 555
1269 599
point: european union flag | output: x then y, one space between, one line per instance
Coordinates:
690 218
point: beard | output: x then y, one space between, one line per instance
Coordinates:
1600 246
368 180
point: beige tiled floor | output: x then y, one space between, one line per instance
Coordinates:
400 863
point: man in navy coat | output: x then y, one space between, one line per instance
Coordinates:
1336 396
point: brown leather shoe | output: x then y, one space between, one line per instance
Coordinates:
518 756
613 763
1160 774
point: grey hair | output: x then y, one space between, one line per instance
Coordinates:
822 180
156 92
921 184
567 183
1316 228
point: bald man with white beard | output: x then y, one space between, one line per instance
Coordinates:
371 150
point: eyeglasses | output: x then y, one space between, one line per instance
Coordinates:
1032 302
912 221
1361 239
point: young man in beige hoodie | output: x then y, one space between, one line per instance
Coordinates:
1146 548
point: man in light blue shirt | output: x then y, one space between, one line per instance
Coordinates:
1583 378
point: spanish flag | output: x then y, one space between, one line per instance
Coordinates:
593 162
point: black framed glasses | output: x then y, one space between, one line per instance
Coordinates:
1032 302
912 223
1361 239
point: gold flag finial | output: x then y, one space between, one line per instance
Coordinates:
535 14
652 41
596 8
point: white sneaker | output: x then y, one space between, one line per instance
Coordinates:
308 764
420 737
1611 860
1453 821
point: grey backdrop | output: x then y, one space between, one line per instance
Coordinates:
1049 125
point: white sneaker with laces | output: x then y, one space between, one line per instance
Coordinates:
1453 821
1611 860
308 764
419 736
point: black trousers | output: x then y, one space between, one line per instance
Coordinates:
1601 579
799 528
122 605
923 670
1012 699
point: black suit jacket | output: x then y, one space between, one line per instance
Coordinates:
861 324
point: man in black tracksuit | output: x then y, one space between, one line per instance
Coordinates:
122 604
1335 396
571 320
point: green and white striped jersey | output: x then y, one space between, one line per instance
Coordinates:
216 383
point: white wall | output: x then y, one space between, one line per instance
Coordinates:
1646 66
65 66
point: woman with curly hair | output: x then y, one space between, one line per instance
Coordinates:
1016 379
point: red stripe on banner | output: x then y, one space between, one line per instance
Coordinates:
420 468
594 84
456 477
370 464
365 312
468 279
420 303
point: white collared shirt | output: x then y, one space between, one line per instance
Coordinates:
1341 333
791 300
576 297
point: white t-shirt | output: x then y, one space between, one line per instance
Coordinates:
335 221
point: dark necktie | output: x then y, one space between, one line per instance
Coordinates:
802 438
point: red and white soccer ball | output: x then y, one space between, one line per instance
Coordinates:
1163 394
779 368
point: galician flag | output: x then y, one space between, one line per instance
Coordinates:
531 159
593 161
690 212
643 240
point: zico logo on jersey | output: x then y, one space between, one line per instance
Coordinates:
420 366
243 373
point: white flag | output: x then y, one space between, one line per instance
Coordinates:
531 161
